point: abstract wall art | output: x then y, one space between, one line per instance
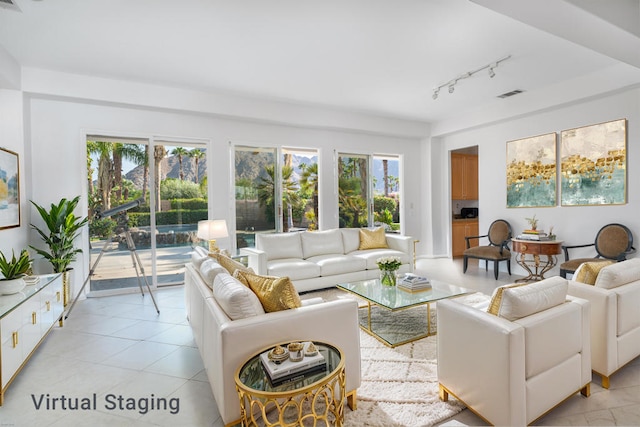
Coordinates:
531 171
594 164
9 190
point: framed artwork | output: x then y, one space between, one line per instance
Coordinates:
531 171
594 164
9 190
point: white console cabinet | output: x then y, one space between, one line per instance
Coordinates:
25 319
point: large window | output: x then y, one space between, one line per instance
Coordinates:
162 184
276 189
369 191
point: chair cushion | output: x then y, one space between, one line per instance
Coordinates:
280 245
373 239
235 299
275 293
209 269
321 243
588 271
230 264
619 274
573 264
488 252
521 301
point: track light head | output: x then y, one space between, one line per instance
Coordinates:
452 87
492 73
435 94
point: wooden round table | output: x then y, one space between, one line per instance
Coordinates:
528 253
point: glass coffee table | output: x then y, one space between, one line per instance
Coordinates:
396 316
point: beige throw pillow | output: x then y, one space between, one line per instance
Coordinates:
230 264
373 239
588 272
275 293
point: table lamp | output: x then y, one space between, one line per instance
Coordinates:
211 230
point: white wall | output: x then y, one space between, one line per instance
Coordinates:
58 152
12 138
574 225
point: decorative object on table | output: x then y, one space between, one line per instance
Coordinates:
388 267
533 222
211 230
278 354
412 283
296 353
62 227
531 171
594 164
551 234
292 363
14 270
9 189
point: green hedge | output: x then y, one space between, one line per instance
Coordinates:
189 204
174 216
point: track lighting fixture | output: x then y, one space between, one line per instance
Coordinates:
452 83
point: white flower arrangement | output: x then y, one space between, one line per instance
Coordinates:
389 263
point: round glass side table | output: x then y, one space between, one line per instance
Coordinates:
309 398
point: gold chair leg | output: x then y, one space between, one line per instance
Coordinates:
443 393
352 400
586 390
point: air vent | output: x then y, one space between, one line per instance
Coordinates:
508 94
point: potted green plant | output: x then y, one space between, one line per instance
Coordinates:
13 270
62 227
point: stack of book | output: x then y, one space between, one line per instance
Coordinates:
412 283
533 235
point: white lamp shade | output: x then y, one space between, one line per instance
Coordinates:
212 229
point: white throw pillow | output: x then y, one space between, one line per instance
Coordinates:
619 274
198 256
316 243
523 301
235 299
279 245
209 270
350 239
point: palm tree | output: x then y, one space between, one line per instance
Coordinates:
196 154
309 183
133 152
179 151
159 152
105 170
385 172
266 191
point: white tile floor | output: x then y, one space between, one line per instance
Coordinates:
119 346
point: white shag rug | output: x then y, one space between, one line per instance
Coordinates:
399 385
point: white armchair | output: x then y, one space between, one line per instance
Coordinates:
511 372
615 319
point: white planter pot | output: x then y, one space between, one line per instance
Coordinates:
13 286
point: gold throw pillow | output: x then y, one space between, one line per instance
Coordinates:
274 293
230 264
496 299
588 272
373 239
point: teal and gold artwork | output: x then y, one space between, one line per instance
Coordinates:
531 171
594 164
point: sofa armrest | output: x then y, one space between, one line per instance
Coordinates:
257 259
604 321
401 243
333 322
497 346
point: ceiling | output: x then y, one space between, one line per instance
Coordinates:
374 56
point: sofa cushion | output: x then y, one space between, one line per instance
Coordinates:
521 301
198 256
350 239
280 245
209 269
371 256
373 239
294 268
230 264
321 243
588 272
330 265
619 274
235 299
275 293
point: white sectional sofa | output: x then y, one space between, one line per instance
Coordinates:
320 259
225 343
615 315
